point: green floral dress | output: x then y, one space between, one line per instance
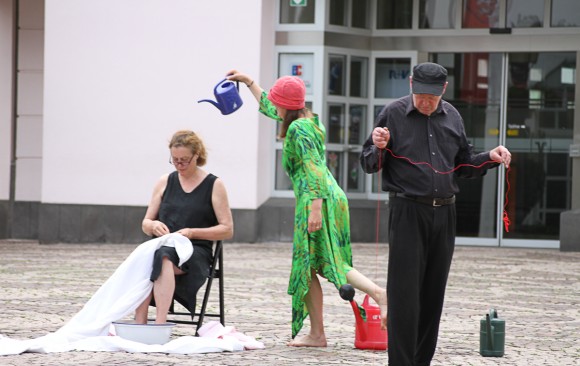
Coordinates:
328 250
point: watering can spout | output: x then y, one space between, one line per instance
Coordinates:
347 293
212 102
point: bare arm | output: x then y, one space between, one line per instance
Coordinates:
250 82
225 227
150 225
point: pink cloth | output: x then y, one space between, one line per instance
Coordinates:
215 329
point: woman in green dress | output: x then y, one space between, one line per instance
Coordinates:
321 223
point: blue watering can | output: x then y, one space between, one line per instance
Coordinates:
227 96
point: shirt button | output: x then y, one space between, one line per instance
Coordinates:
432 153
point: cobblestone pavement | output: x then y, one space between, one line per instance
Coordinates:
537 292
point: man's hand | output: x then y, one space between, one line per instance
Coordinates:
381 137
501 155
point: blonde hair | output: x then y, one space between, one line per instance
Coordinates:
190 140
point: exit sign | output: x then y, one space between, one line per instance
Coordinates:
298 2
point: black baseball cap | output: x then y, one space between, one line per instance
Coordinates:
429 78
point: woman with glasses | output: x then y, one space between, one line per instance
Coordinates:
193 203
322 224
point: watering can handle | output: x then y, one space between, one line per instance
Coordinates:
226 80
489 329
365 303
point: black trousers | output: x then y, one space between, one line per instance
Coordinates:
421 244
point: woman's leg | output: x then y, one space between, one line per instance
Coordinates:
163 289
313 300
142 311
361 282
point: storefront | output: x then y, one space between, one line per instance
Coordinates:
512 75
86 75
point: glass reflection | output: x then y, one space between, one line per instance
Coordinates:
335 130
290 14
525 13
336 75
437 14
394 14
357 126
565 13
540 115
480 13
334 163
355 177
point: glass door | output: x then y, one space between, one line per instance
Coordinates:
475 89
539 131
524 101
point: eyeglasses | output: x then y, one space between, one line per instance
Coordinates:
182 161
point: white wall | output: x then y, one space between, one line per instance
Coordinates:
122 76
5 95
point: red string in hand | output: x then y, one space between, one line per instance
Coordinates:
506 220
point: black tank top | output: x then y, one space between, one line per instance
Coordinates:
180 209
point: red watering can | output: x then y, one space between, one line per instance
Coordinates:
368 334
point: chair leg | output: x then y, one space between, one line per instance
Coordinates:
221 288
216 268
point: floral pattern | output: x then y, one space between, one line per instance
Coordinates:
328 250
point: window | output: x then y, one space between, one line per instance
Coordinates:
338 12
360 11
297 11
357 117
358 76
480 14
525 14
336 72
438 14
565 13
341 12
298 64
335 131
394 14
392 77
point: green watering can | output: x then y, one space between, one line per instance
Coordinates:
492 335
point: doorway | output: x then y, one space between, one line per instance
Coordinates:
524 101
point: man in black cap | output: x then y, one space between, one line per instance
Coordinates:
421 127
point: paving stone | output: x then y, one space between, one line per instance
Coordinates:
537 292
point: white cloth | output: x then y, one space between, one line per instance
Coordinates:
119 296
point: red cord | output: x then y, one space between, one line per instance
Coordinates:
506 220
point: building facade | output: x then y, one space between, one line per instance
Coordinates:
91 91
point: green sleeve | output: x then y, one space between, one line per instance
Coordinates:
267 108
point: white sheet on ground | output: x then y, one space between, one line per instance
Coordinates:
118 297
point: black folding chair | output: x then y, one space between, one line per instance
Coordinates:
215 272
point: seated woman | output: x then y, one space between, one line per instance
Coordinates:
191 202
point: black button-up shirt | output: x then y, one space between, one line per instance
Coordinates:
438 139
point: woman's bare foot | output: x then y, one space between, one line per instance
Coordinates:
383 301
308 341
